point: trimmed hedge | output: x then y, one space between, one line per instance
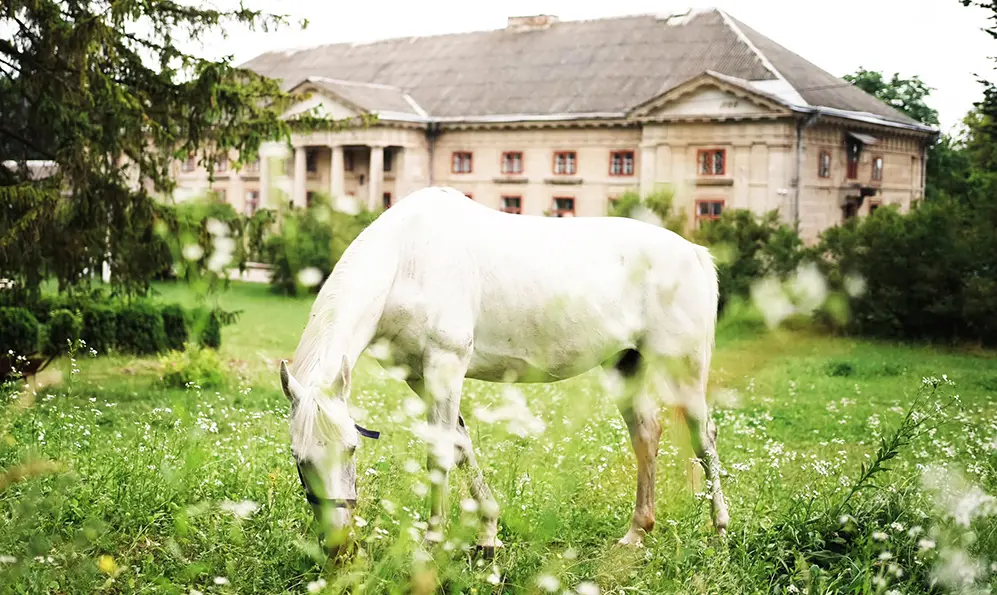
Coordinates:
140 329
19 332
64 329
175 326
100 325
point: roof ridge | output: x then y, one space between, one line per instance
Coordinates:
732 24
354 83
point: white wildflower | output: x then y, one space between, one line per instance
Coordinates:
310 276
548 583
193 252
221 580
587 588
880 536
4 559
243 509
316 586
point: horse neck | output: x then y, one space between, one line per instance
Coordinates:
347 311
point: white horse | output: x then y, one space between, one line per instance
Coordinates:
463 291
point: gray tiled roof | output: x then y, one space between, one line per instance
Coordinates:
604 66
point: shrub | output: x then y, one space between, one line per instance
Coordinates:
749 248
211 336
19 332
140 329
659 203
195 367
64 329
100 327
175 326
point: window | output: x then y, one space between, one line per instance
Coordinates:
309 198
189 164
252 202
709 210
388 155
565 163
460 162
221 164
387 200
221 195
348 160
873 205
512 163
253 167
311 161
512 204
824 165
877 168
564 207
853 160
712 162
621 163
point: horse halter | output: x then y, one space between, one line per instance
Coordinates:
348 503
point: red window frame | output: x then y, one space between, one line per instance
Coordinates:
711 216
876 174
711 162
515 210
823 172
508 158
570 158
623 157
558 212
853 160
465 157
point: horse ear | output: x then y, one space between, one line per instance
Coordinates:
290 386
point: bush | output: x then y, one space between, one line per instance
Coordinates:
749 248
175 326
312 238
211 336
195 367
64 329
140 329
660 203
927 274
100 327
19 332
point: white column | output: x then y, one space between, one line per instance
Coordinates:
300 178
337 173
376 173
648 164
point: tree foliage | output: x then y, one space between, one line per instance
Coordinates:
904 94
106 91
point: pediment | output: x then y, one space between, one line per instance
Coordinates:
321 104
709 97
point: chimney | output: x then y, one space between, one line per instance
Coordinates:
538 22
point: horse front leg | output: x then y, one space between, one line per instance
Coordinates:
488 509
444 378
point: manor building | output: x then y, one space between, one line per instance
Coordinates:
561 117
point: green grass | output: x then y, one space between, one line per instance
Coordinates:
143 471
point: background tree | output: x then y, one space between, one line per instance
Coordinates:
904 94
106 91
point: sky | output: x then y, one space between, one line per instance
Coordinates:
939 40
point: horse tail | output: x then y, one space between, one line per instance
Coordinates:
711 302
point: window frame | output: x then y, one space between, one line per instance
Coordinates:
556 212
700 218
622 154
512 172
711 151
518 210
874 204
821 173
386 201
574 163
253 167
873 169
469 155
387 160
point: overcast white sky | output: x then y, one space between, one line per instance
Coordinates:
939 40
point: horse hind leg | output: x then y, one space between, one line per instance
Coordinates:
488 509
641 417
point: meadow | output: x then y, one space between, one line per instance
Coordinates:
850 467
